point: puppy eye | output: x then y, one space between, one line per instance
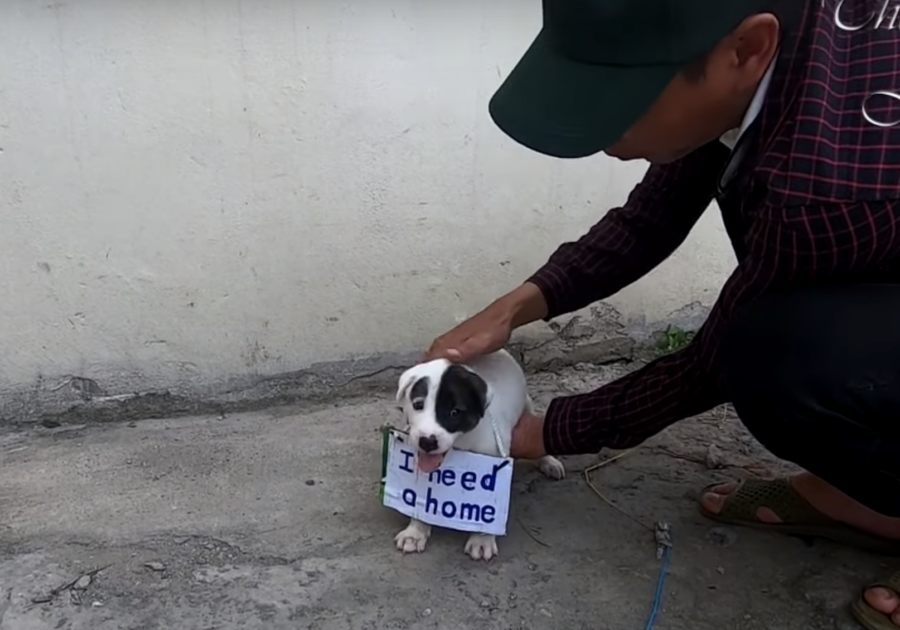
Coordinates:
454 413
418 405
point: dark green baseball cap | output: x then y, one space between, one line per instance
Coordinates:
598 65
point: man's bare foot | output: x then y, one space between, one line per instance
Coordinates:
836 505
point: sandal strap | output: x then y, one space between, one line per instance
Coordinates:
797 516
777 495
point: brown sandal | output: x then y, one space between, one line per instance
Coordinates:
870 618
799 518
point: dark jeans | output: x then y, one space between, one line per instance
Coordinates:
814 375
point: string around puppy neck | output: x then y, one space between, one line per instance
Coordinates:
497 438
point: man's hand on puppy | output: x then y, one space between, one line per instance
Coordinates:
490 329
482 334
528 438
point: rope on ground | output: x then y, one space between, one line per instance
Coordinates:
661 532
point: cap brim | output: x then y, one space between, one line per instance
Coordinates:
568 109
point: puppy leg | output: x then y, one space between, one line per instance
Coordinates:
552 467
547 464
482 546
414 537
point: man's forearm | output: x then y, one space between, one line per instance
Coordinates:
524 305
633 408
628 411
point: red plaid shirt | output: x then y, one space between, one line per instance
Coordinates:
814 200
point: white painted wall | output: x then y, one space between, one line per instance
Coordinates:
198 189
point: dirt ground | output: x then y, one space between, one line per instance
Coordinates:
271 520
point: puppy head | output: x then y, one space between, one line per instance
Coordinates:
441 402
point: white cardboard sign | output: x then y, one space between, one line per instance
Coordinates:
469 492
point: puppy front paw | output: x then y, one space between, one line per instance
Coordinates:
414 538
552 467
482 547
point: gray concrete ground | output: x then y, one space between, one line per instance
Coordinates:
270 520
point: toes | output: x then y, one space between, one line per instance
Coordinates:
411 545
713 502
715 498
884 601
724 489
552 467
411 541
481 549
485 553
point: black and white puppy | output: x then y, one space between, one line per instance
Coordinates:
448 406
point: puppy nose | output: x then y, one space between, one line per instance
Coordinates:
428 444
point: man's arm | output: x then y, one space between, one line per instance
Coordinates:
787 247
628 242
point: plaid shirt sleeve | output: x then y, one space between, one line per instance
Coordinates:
786 247
630 241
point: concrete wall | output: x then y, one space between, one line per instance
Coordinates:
200 191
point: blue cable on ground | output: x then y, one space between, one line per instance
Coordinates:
657 601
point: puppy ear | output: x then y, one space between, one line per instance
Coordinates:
476 386
481 390
405 382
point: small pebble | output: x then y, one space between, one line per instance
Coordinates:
97 604
155 566
720 570
83 582
485 603
427 612
310 482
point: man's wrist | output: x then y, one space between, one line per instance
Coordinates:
524 305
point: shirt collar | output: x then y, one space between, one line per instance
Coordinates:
730 138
